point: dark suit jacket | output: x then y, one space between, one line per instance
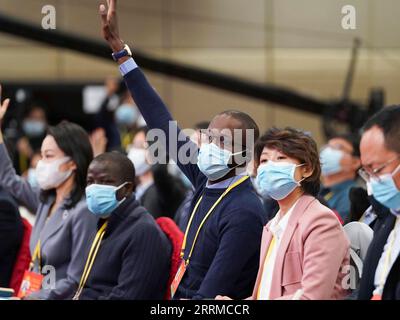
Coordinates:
392 285
133 261
11 233
383 226
163 198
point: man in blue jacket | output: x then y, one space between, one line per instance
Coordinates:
129 258
221 246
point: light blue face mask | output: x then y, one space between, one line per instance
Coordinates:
276 179
32 179
385 190
34 128
330 161
102 199
213 161
261 192
126 114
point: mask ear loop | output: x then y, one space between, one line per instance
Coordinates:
396 170
239 152
300 181
118 188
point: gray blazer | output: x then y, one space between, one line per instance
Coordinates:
64 236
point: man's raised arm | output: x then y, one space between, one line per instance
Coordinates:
151 106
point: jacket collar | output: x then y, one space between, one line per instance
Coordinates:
128 207
301 206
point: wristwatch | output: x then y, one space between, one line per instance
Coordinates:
125 52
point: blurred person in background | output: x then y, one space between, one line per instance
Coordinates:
34 125
380 159
340 160
105 119
157 190
128 119
63 222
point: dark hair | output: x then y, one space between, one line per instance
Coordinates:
34 105
295 144
246 121
353 139
388 119
74 142
202 125
121 163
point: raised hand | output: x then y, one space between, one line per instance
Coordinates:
109 24
3 107
98 141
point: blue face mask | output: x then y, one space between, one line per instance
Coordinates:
261 192
276 179
126 114
102 199
213 161
32 179
385 190
330 161
33 128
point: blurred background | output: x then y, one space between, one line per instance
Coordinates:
298 45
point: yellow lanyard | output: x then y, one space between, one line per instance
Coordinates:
90 260
328 196
204 219
270 248
388 255
36 256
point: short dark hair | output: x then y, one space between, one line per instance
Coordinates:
295 144
34 105
388 119
73 140
120 163
202 125
353 139
246 121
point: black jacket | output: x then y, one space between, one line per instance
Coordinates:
163 198
11 233
133 262
382 227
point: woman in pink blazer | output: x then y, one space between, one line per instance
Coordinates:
304 250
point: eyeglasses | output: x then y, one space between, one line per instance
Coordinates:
221 140
368 174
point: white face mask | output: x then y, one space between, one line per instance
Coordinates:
48 174
138 157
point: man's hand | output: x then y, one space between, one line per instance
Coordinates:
98 140
109 23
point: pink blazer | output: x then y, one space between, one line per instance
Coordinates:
311 255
